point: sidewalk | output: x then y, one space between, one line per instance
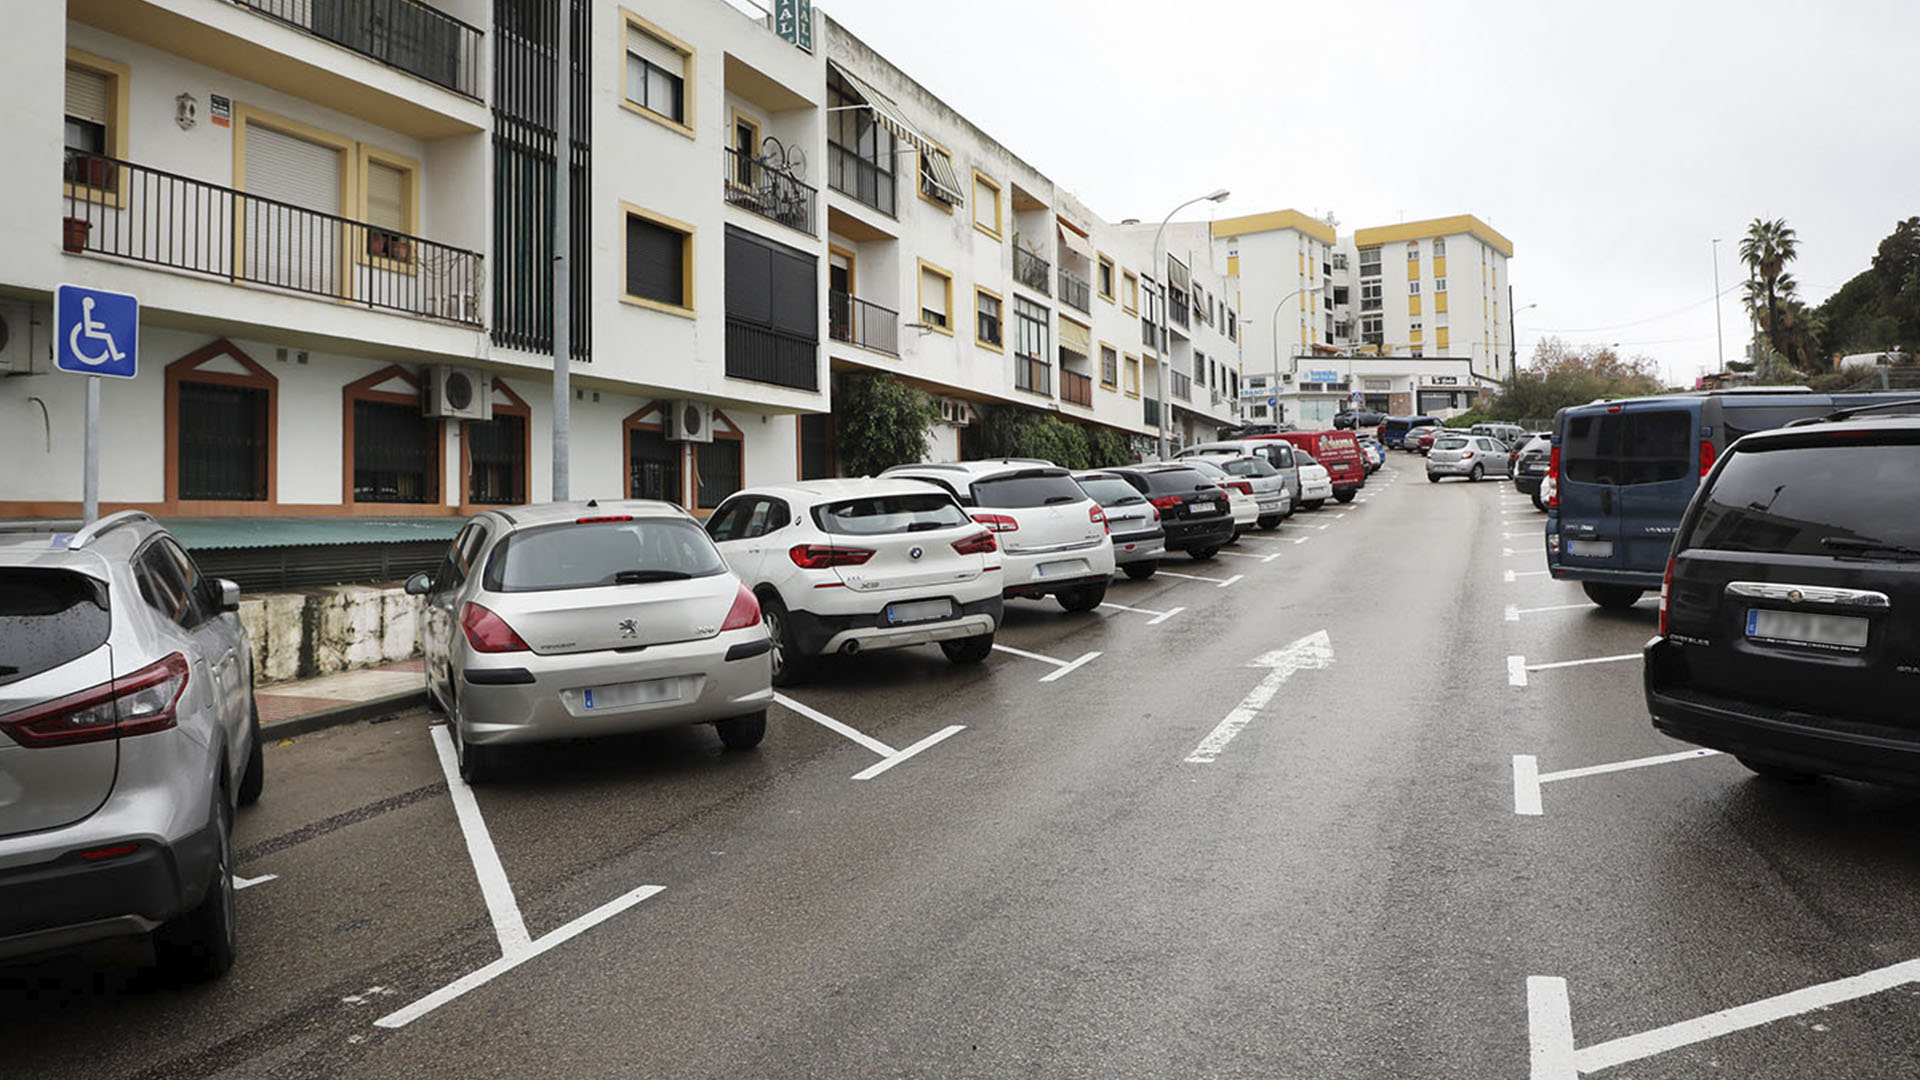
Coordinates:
303 705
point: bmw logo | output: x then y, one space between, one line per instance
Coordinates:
916 553
1795 595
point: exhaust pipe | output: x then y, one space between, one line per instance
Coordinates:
851 648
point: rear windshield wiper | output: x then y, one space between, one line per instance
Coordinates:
928 526
641 577
1052 499
1867 547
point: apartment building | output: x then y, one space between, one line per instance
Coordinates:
1434 288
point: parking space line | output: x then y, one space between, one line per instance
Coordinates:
1218 582
890 761
1158 616
1244 555
1527 776
1525 535
1516 671
248 883
1164 616
1061 668
835 726
494 887
1514 611
1512 574
1517 666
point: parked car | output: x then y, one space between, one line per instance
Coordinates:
848 566
1315 481
1250 473
1625 471
128 736
1355 419
1471 456
1787 634
1053 536
1240 501
1376 454
1509 434
569 620
1139 541
1393 430
1338 453
1420 440
1278 453
1193 509
1530 467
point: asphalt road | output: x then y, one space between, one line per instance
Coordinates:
1344 889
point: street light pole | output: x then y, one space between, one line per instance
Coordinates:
1273 388
1165 345
1719 343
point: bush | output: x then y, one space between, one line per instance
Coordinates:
1013 432
1107 447
881 422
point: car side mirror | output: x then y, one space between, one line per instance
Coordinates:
229 594
419 584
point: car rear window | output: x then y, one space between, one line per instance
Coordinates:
1181 480
1027 489
573 556
48 618
1252 466
1813 500
885 515
1449 443
1647 447
1110 491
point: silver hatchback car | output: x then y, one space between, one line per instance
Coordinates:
571 620
1471 456
127 738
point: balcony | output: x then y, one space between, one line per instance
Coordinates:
1149 333
1150 411
1182 385
1031 270
1178 310
766 355
771 193
413 37
1032 374
860 322
1075 291
178 223
1076 389
857 178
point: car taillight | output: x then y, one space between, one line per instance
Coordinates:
603 519
487 632
1099 517
1553 473
1466 455
133 704
977 544
744 613
997 522
1666 590
823 556
1166 502
1706 457
1244 487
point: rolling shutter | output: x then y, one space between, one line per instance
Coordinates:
284 246
386 197
89 95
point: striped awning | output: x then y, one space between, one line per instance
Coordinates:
888 115
938 170
1076 337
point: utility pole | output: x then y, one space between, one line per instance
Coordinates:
1719 342
563 253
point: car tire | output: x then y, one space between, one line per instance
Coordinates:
1539 503
1475 474
478 764
1777 773
199 945
1141 571
1314 504
1612 597
1082 597
970 650
1432 478
1202 554
742 732
1344 496
1271 522
788 665
254 779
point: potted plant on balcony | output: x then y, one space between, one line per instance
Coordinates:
74 232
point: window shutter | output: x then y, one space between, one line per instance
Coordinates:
933 293
657 52
292 170
655 257
386 197
89 95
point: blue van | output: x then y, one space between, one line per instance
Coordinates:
1393 430
1624 472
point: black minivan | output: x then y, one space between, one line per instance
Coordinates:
1790 614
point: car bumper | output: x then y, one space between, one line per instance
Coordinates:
524 697
1316 491
817 633
1041 573
1639 579
1529 483
1188 535
1455 468
1274 506
71 901
1800 742
1139 547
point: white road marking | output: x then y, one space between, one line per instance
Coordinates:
836 726
889 762
1524 535
1510 575
494 888
1526 785
1164 616
248 883
1516 671
1550 1030
1303 540
1067 668
1514 612
1158 616
1311 652
1188 577
1244 555
1583 663
1029 655
1527 776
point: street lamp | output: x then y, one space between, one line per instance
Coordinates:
1719 343
1273 388
1165 344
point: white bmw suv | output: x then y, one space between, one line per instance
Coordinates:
844 566
1054 535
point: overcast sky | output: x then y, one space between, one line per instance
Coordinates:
1610 142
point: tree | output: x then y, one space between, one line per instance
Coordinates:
1766 249
1560 375
1014 432
881 422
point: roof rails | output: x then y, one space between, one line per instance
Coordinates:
1911 404
106 525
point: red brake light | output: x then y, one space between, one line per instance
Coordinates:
487 632
1706 457
977 544
997 522
113 852
1244 487
130 705
1613 408
744 613
825 556
1553 473
600 520
1166 502
1666 592
1098 517
1466 455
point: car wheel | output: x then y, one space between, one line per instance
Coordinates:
788 665
1344 496
1474 474
1777 773
1202 554
478 764
198 945
742 732
1237 534
1082 597
1272 522
1612 597
1141 571
1539 503
255 777
1432 478
1314 504
970 650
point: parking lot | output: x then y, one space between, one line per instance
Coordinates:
1370 795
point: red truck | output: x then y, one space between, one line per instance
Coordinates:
1338 451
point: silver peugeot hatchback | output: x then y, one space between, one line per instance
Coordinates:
570 620
127 737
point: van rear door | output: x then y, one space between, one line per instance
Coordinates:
1627 472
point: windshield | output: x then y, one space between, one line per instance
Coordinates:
1813 500
1450 442
1110 490
1205 468
574 556
884 515
1184 479
1646 447
1252 466
48 618
1027 489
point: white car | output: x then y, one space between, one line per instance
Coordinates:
1240 497
1249 474
1316 484
1053 536
844 566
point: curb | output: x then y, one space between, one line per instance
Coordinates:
344 714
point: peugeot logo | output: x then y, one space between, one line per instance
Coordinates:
1795 595
628 629
916 553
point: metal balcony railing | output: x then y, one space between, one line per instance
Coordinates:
1075 291
1075 388
863 323
128 211
1031 270
772 194
414 37
1031 373
1178 312
763 354
855 177
1182 385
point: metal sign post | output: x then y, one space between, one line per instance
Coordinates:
95 333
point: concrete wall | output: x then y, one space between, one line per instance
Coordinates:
323 631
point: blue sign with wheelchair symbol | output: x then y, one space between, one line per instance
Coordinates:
96 332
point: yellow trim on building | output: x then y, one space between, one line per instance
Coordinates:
1130 368
1274 221
690 252
119 119
1001 345
1440 337
409 171
920 293
1439 266
1413 304
1129 292
981 180
1102 259
1439 303
1103 348
1421 230
691 80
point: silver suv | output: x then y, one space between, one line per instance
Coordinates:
127 736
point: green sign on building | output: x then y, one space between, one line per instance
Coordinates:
793 20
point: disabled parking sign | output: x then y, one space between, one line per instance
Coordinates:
96 332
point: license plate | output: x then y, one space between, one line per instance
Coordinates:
918 611
1068 568
623 695
1533 467
1803 628
1595 549
1202 508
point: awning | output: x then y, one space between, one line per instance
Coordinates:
939 171
1178 276
888 115
1076 337
1074 242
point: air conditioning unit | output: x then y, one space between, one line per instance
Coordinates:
1286 376
955 411
457 394
689 421
24 347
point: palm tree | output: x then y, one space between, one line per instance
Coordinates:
1766 249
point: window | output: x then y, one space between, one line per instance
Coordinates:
659 262
1340 260
389 204
746 149
1372 330
986 204
1130 292
496 450
222 442
1439 284
938 184
986 319
1370 296
1440 248
654 465
816 446
171 583
1109 366
1648 447
594 555
1414 326
860 153
717 468
95 112
1103 277
1233 327
394 451
773 312
657 71
1413 288
1030 347
1370 262
1133 376
936 297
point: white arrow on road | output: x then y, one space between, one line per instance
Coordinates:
1311 652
